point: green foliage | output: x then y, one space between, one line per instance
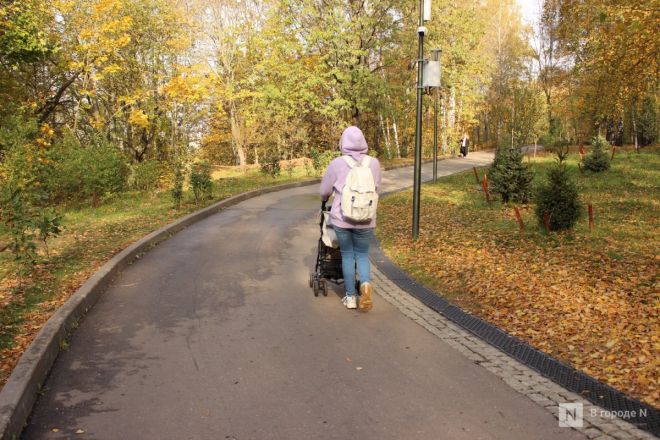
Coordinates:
16 134
597 160
649 125
321 160
547 140
200 181
48 224
556 145
23 222
21 32
599 142
82 174
146 175
24 215
177 189
270 165
559 198
510 177
561 149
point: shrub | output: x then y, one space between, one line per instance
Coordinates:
81 174
200 181
271 165
321 160
177 190
559 198
309 168
555 145
290 166
597 160
146 175
547 140
23 223
24 212
509 176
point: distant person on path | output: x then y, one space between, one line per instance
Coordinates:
353 235
465 144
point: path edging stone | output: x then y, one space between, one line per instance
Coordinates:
20 392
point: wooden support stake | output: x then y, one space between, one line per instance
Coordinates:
613 151
582 152
580 168
519 218
546 220
484 184
476 176
591 216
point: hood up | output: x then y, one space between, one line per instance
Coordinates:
353 143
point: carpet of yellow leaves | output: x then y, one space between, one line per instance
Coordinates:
588 298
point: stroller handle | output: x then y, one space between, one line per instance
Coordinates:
323 209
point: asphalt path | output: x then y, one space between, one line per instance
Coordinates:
215 334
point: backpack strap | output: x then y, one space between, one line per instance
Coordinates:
352 162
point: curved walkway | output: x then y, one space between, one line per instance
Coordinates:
215 334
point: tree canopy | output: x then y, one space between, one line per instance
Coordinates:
234 80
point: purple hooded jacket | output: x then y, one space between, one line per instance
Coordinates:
352 144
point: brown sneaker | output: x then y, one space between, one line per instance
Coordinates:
366 292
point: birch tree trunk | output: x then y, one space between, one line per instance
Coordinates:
634 123
385 137
389 134
396 138
443 125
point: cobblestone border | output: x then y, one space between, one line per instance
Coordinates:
543 391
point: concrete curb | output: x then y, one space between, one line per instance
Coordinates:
20 392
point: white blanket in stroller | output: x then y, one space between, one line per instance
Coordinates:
328 234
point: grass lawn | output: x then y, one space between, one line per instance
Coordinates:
589 298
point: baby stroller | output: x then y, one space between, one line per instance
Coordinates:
328 257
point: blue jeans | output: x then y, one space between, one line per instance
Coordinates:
354 247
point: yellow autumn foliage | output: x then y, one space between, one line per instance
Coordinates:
139 118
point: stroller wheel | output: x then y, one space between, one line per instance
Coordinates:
324 287
315 286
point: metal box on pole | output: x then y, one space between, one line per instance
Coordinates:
431 74
427 10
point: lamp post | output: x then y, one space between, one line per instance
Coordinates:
435 56
424 12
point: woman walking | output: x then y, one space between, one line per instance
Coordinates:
465 145
353 235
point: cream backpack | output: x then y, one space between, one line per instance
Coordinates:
359 199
